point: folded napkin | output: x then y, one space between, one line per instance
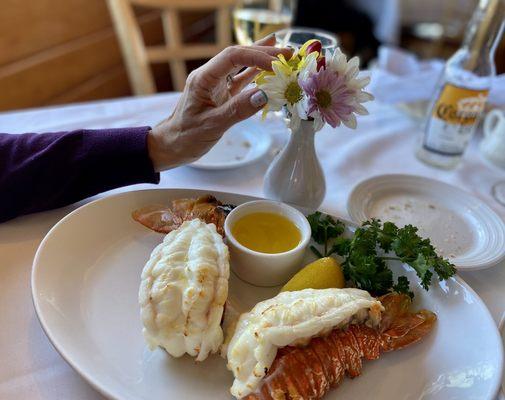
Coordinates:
400 77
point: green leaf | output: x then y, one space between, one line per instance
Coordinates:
403 286
315 227
341 246
364 241
324 229
370 273
387 235
422 268
365 267
443 268
407 243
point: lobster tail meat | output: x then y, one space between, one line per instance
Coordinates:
292 319
309 372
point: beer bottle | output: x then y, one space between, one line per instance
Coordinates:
462 89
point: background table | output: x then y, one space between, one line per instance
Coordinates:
384 142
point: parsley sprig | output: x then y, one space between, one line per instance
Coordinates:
324 229
372 245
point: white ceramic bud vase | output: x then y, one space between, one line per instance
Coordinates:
295 175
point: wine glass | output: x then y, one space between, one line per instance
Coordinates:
256 19
295 37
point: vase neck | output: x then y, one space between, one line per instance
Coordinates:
304 133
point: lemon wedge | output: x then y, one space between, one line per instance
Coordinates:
321 274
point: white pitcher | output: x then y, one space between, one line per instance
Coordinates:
493 144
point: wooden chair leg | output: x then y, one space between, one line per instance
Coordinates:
223 27
173 38
179 74
134 51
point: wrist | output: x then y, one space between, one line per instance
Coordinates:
154 150
163 146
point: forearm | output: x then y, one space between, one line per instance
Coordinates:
44 171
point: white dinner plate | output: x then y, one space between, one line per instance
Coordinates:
501 396
460 226
85 282
243 144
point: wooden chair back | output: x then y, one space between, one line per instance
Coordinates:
138 56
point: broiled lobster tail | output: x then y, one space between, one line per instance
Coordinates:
400 327
308 373
165 219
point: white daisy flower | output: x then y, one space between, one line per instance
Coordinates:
283 88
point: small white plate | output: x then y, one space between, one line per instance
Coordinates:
85 282
243 144
460 226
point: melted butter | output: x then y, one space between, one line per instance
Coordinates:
266 232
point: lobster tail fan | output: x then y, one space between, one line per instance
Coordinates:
399 327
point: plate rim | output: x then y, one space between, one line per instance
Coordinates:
354 212
241 163
501 329
107 393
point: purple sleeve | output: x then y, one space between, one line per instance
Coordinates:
43 171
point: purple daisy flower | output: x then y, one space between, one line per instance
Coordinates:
330 98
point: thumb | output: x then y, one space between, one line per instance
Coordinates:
241 106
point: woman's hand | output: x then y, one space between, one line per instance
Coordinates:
211 103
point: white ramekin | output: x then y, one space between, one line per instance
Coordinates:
263 269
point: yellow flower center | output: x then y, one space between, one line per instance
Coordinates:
293 92
323 99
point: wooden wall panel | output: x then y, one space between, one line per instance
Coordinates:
36 80
27 27
47 75
59 51
107 84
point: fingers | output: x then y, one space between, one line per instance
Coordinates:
245 77
233 58
242 79
240 107
273 51
266 41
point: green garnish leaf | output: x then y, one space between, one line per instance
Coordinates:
369 273
324 229
403 286
365 267
341 246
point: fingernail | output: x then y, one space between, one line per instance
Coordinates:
259 99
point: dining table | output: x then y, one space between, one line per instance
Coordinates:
384 142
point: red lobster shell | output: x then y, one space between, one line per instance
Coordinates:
164 219
308 373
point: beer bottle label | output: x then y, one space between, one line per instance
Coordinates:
453 119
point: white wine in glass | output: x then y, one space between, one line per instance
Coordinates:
256 19
296 37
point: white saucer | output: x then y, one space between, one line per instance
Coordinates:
243 144
461 227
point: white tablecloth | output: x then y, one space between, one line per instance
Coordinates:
30 368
